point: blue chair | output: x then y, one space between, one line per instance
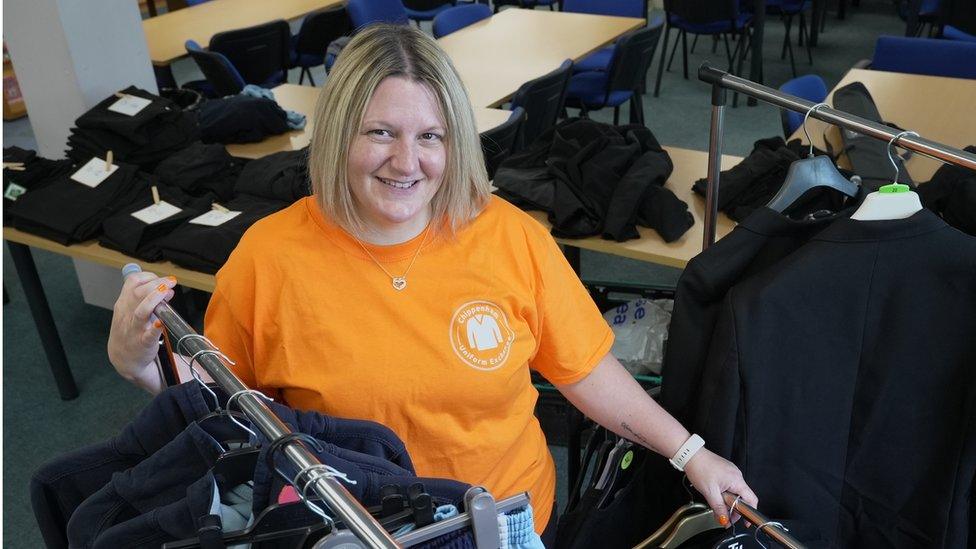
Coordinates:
708 17
810 87
426 10
543 99
318 30
458 17
958 20
364 12
628 69
222 77
501 141
952 33
261 53
918 14
929 56
191 3
787 10
600 59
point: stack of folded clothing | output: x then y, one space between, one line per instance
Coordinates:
156 131
136 228
202 169
28 172
278 176
67 211
241 119
205 247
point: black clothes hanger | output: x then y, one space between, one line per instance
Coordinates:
810 173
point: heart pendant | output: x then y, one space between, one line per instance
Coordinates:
399 283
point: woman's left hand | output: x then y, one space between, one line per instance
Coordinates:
712 475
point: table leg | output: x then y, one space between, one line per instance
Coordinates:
758 27
572 254
817 13
43 320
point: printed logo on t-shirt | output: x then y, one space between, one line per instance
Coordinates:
480 335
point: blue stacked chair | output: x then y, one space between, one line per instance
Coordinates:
930 56
456 18
318 30
810 87
364 12
600 59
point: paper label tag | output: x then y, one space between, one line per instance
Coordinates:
93 173
213 218
129 105
13 191
156 212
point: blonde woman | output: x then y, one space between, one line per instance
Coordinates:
404 293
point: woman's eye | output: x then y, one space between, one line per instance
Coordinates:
380 133
429 136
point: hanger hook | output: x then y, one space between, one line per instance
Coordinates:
891 156
806 132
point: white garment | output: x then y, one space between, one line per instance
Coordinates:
483 332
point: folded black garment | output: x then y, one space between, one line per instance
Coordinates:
69 212
204 248
278 176
595 178
952 194
38 172
752 183
139 128
132 236
167 138
201 169
241 119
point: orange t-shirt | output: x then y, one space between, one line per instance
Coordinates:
311 319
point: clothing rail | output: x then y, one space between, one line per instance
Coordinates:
722 81
771 528
339 500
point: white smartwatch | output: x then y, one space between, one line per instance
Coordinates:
686 452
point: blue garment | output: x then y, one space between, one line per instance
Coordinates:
296 121
518 531
61 485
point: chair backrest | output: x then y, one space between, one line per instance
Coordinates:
960 15
499 142
542 99
456 18
425 5
320 28
217 69
364 12
810 87
191 3
260 53
632 56
925 56
703 11
619 8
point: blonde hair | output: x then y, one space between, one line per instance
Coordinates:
375 53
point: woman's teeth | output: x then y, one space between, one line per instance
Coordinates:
398 184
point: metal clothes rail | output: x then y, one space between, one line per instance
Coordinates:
338 499
722 81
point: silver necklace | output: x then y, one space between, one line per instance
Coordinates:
399 282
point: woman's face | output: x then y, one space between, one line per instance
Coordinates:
396 161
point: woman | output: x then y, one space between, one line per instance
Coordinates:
404 293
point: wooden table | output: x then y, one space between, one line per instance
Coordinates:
938 108
167 33
496 56
302 99
688 166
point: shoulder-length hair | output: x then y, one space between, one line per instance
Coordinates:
375 53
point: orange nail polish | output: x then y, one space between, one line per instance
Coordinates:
723 520
171 278
158 323
162 288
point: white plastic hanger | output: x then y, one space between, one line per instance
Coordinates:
893 201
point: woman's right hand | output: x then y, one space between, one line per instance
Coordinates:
133 340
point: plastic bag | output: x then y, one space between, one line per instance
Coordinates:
640 328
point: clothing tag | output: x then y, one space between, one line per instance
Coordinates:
214 218
156 212
129 105
13 191
93 173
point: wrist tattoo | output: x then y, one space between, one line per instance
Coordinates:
636 435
